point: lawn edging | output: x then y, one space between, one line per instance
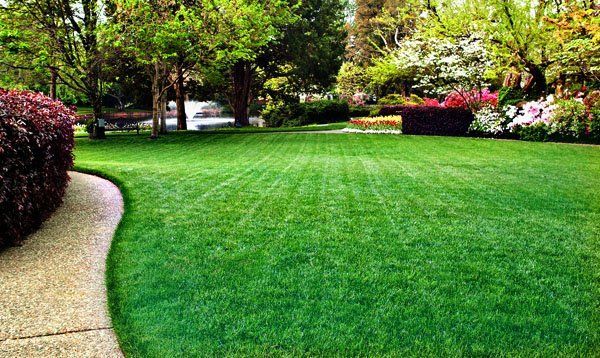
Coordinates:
110 280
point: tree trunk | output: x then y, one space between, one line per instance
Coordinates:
242 83
53 77
155 101
163 113
539 85
180 101
96 102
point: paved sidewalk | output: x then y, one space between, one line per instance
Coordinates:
52 289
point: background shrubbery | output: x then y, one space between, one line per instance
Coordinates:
431 120
300 114
36 140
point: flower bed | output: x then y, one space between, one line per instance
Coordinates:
547 119
382 124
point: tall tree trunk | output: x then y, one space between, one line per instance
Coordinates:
96 102
539 84
155 100
163 113
180 100
53 77
242 83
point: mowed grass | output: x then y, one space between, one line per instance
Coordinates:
352 245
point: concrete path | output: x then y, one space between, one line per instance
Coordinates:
52 289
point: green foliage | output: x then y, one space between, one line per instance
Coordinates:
537 132
300 114
351 79
397 99
392 99
24 56
375 110
570 120
414 99
509 96
360 111
312 46
595 125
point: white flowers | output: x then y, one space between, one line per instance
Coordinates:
488 120
532 112
372 131
443 66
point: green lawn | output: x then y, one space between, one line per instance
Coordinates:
308 128
362 245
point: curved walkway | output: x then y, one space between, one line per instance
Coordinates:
52 289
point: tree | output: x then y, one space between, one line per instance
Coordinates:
304 58
175 36
157 33
367 34
442 66
69 31
351 79
577 43
518 30
24 61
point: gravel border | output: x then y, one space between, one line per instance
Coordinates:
52 289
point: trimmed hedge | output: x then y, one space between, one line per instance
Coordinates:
301 114
36 142
431 120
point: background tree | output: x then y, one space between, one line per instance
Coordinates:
69 30
305 58
576 51
519 31
157 33
24 60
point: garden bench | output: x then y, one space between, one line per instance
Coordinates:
123 124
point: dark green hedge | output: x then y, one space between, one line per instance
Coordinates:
300 114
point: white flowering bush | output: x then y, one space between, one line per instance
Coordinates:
488 120
443 66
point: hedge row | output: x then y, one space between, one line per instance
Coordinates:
36 142
301 114
427 120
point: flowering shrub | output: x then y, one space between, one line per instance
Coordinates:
595 125
392 99
488 120
382 123
431 120
36 140
592 101
473 99
532 112
570 120
440 66
431 102
550 119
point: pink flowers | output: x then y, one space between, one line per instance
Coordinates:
532 112
473 99
431 102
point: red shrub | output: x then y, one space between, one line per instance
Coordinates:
474 98
36 141
431 120
431 102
